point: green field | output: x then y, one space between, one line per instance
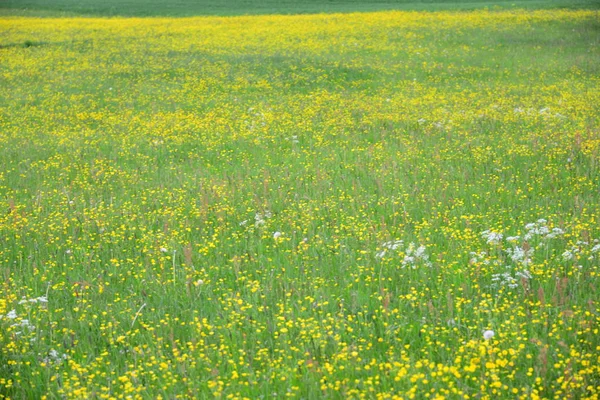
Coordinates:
378 205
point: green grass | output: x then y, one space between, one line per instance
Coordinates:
180 8
204 203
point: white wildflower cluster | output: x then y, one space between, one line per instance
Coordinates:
540 228
413 255
479 257
12 314
41 299
492 237
23 325
259 219
524 274
389 247
509 279
293 139
54 358
534 230
582 250
23 328
520 255
519 252
504 280
570 254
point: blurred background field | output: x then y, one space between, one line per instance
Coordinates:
179 8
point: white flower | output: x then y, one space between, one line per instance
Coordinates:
555 233
408 260
487 335
199 282
520 255
540 228
492 237
259 219
505 279
41 299
414 255
525 274
393 245
277 235
476 257
567 255
380 254
54 357
12 314
25 324
163 250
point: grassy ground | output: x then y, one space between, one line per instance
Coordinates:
180 8
327 206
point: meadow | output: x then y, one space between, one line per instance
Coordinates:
378 205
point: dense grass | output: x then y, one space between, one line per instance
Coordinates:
178 8
323 206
